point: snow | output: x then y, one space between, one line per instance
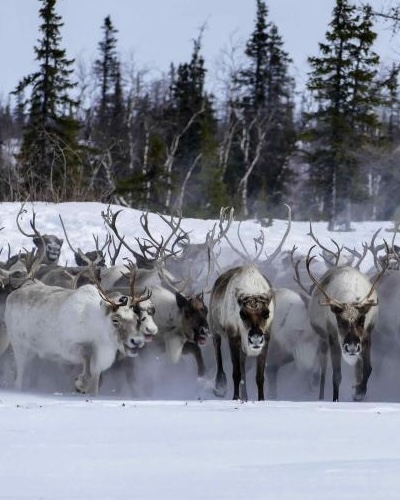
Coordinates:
181 442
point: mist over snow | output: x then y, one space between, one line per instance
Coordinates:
169 437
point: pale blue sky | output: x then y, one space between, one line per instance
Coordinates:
158 32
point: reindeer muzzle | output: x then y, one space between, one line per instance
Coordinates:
256 338
352 348
201 335
132 347
53 252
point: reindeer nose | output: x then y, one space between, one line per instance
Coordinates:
256 338
352 349
203 331
136 342
200 335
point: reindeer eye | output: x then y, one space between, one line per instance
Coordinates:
266 314
243 315
115 321
136 309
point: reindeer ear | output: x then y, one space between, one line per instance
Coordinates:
78 260
37 241
181 300
364 308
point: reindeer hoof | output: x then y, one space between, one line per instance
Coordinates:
220 387
220 393
82 384
359 395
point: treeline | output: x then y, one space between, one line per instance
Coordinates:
113 134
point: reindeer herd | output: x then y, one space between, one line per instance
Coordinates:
172 298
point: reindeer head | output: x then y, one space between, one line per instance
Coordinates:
351 316
95 256
194 317
255 313
351 321
125 322
144 308
48 246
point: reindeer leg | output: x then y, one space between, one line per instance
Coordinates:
336 359
276 358
272 378
22 358
84 381
243 386
323 359
234 345
194 349
363 371
260 375
220 378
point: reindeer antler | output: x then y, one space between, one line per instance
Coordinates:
136 298
336 255
78 251
329 299
297 278
280 246
110 219
32 222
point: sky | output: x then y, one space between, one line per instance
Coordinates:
155 33
171 438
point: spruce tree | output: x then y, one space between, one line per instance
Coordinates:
108 75
265 109
191 110
109 124
343 83
49 162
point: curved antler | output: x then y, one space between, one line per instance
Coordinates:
279 248
136 298
329 299
32 223
335 255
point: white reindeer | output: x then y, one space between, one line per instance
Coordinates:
343 309
182 324
241 308
78 327
292 340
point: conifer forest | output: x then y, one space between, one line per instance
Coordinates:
112 133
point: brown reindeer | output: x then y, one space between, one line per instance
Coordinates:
241 308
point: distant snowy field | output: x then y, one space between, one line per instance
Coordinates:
172 445
83 221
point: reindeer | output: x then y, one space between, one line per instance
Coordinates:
242 305
84 327
48 246
390 259
181 317
343 309
292 340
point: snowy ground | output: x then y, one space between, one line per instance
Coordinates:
69 448
170 445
